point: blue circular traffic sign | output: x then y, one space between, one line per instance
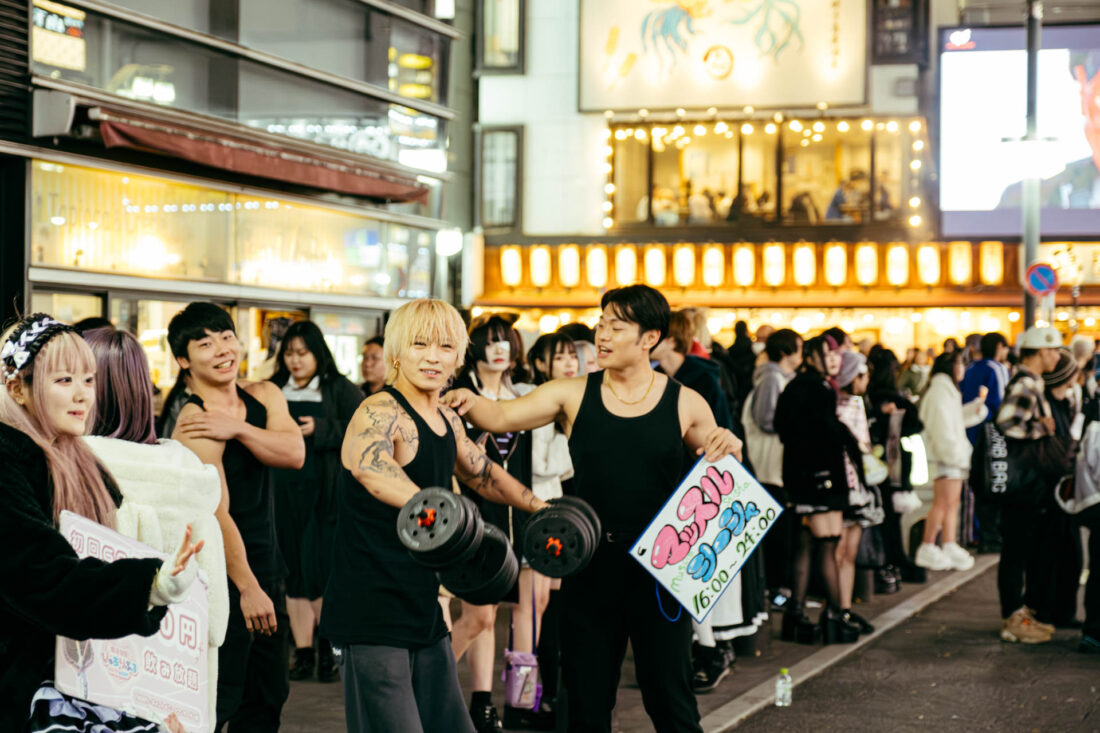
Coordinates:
1041 279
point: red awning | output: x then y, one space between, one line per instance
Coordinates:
256 158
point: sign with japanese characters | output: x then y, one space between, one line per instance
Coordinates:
705 532
153 676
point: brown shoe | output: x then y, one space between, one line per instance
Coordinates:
1020 627
1048 628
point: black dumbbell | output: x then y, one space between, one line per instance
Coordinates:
487 576
439 527
560 540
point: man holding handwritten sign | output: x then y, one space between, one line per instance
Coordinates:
627 429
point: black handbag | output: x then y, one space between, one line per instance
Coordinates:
872 548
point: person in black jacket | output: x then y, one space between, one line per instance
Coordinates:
45 589
815 443
323 401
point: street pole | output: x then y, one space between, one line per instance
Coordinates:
1031 181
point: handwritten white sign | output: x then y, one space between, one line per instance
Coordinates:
705 532
153 676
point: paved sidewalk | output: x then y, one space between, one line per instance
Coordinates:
946 669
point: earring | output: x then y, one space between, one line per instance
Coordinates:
395 363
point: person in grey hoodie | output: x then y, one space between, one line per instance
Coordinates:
784 351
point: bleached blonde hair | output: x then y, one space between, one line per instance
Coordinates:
429 320
78 484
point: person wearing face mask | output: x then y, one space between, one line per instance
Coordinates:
816 445
372 368
322 401
494 347
46 590
243 429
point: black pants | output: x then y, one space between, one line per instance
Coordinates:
988 513
252 668
611 601
549 651
409 690
1059 556
1022 563
780 544
1091 518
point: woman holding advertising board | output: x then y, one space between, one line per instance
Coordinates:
46 590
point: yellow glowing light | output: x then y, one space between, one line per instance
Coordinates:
795 126
803 264
804 142
770 128
643 112
548 323
679 111
606 169
569 265
914 126
816 138
916 317
746 129
608 222
836 264
620 134
1013 316
991 264
866 264
626 264
609 188
774 264
959 263
714 265
608 151
607 133
914 202
540 265
806 132
683 265
897 265
595 266
655 265
744 265
928 264
699 130
819 126
867 125
918 145
607 207
914 165
712 111
892 126
678 131
511 265
640 134
720 128
842 126
915 220
659 132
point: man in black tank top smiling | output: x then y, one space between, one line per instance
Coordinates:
380 606
241 428
627 429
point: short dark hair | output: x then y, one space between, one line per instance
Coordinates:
1027 353
642 305
783 342
90 323
681 329
315 343
545 348
376 341
838 334
990 343
192 323
577 331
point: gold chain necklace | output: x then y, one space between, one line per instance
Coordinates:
611 387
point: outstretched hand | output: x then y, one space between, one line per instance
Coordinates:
720 442
186 552
459 400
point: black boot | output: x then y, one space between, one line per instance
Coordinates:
835 630
887 580
485 718
854 619
326 662
303 664
710 669
798 628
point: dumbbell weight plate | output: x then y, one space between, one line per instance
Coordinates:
433 526
484 577
586 509
558 541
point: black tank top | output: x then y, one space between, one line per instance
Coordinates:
251 499
626 467
377 594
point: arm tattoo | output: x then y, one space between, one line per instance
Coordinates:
487 478
384 421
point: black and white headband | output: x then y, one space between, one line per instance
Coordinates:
28 338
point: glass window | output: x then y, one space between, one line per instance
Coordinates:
260 331
102 221
345 334
502 25
758 174
895 182
826 173
147 66
500 178
148 320
67 307
630 174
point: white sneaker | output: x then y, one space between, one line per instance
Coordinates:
959 558
932 557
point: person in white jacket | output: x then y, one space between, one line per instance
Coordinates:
164 486
945 421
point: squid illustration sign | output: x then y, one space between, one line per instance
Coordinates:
705 532
151 677
664 54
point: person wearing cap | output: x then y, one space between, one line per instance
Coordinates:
864 510
945 421
1024 418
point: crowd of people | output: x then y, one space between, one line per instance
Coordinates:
285 493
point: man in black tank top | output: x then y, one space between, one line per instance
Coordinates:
380 607
242 429
627 430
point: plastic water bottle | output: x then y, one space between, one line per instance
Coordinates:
783 687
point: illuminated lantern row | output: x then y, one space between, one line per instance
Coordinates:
626 264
